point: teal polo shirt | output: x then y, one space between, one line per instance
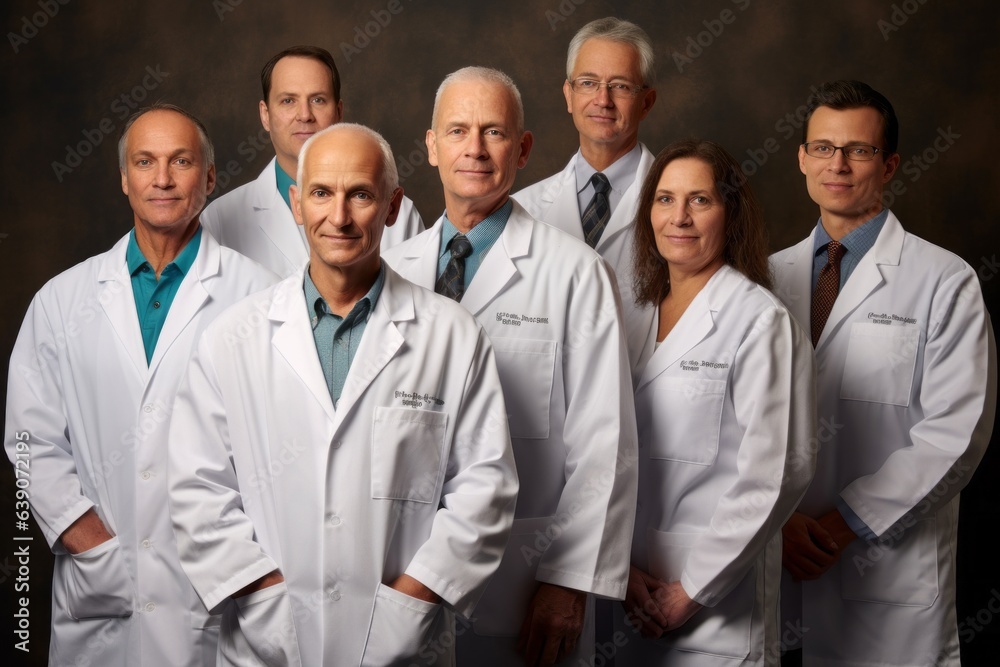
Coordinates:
153 297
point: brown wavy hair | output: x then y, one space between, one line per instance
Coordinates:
745 249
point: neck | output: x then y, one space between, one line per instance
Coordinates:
602 156
686 285
290 167
466 215
161 246
343 286
839 226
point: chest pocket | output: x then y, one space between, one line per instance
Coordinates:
685 414
880 362
408 454
526 370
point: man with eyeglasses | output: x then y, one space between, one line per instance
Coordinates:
609 76
906 399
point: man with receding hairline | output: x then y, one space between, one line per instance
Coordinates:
92 379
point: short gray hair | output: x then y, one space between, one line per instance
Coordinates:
207 149
616 30
390 177
488 75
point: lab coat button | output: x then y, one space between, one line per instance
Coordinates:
146 544
334 595
150 606
334 520
147 408
145 474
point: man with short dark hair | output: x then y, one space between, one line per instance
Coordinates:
906 398
301 96
92 380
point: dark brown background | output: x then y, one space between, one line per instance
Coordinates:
940 69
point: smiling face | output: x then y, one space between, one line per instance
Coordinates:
300 104
848 192
689 218
341 203
165 176
608 125
477 148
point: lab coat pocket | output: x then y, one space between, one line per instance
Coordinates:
259 630
687 413
400 627
95 583
722 630
526 370
502 608
901 568
880 362
408 453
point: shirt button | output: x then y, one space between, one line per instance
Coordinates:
146 544
150 606
145 474
156 304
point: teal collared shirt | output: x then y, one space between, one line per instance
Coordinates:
482 237
857 243
153 297
284 181
338 338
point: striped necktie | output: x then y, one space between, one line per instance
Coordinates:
598 212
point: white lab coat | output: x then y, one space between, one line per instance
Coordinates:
906 397
554 201
96 416
411 472
550 308
254 220
726 412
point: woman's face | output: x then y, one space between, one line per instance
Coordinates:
688 217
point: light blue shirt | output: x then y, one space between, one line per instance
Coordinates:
153 297
621 175
482 237
338 338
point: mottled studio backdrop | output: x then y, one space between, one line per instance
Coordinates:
736 71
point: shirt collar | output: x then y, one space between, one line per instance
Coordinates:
856 242
620 174
317 306
484 234
135 260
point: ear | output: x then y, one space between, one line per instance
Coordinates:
293 196
339 116
568 94
124 182
527 140
432 154
210 182
802 158
265 116
648 100
394 205
891 165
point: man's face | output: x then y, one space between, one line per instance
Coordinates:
341 204
475 144
602 120
848 192
165 176
300 105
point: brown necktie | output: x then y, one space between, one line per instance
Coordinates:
827 287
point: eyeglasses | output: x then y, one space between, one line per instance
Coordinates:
856 152
617 89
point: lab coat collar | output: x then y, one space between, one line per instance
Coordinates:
498 268
275 219
697 322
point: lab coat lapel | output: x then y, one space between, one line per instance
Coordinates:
274 218
294 340
866 277
796 292
191 296
697 322
624 213
118 302
562 205
381 341
420 259
498 269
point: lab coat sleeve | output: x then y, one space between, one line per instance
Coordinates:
215 538
596 510
471 527
957 395
773 390
36 415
